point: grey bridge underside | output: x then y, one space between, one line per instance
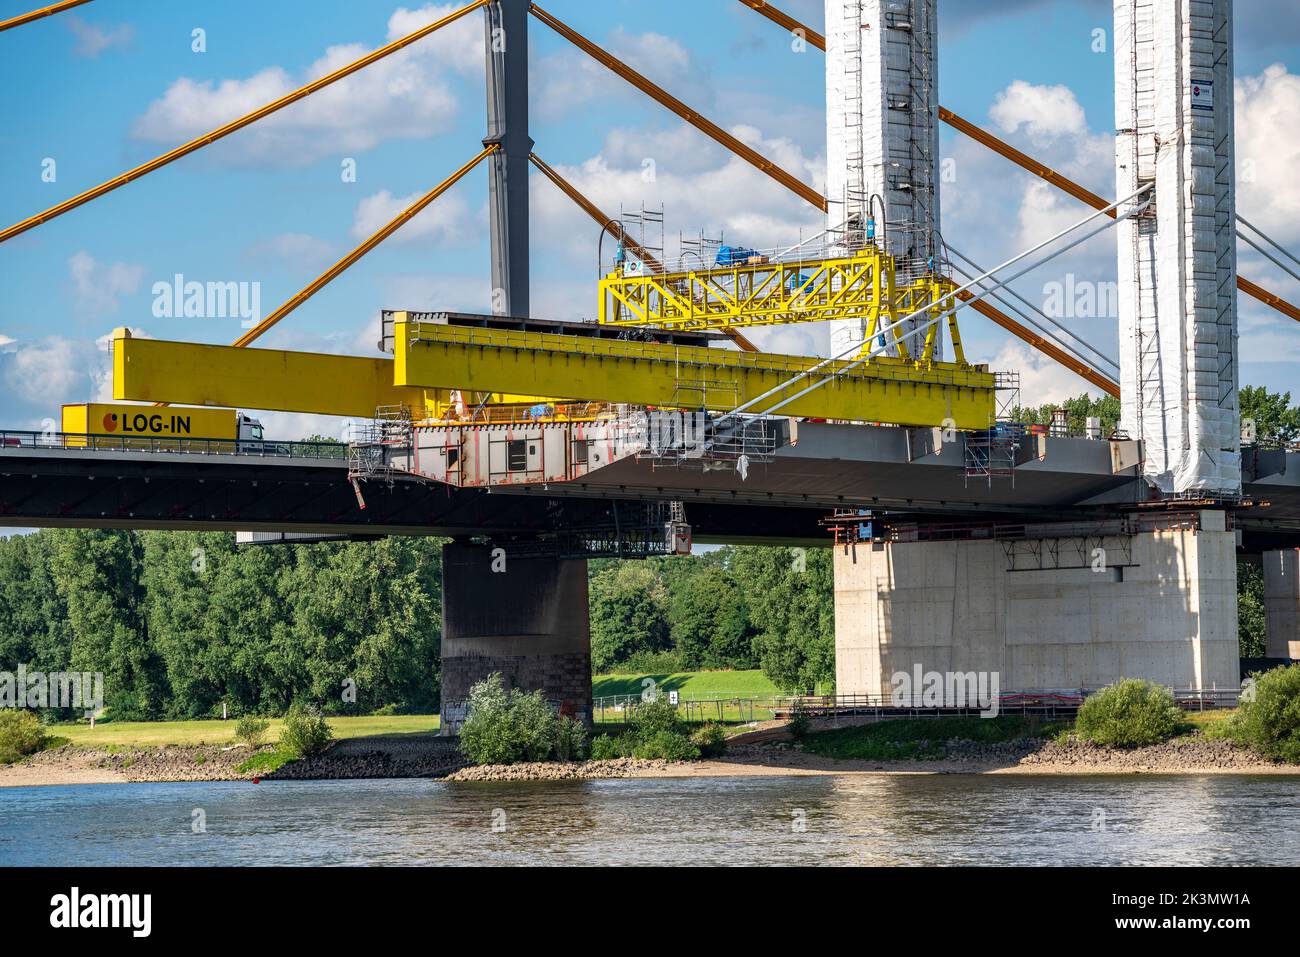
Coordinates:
904 472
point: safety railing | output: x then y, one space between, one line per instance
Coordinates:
89 442
732 708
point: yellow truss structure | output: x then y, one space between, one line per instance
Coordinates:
761 292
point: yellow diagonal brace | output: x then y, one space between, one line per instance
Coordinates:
639 373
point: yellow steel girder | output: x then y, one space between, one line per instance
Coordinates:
191 373
151 370
640 373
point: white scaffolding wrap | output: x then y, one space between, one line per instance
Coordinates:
1177 262
882 124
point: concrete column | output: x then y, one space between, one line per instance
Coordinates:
1042 613
526 618
506 26
1282 603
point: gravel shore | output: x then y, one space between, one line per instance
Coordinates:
425 756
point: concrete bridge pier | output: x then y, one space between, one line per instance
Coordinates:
1058 609
1282 603
523 616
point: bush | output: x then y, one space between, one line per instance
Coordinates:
1129 714
21 734
711 739
505 726
798 723
605 748
305 732
665 745
1269 719
252 730
648 718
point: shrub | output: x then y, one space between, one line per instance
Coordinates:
605 748
711 739
21 734
666 745
252 730
648 718
570 739
1269 719
1129 714
505 726
305 732
798 723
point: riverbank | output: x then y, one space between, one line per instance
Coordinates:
428 756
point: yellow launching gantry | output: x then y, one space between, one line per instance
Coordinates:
751 289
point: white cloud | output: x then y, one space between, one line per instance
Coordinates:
1042 380
98 288
1268 152
1044 112
570 78
93 40
715 192
298 251
41 375
7 344
407 95
447 220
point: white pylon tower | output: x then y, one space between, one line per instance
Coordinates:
1178 260
882 142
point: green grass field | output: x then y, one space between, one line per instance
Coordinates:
158 733
691 684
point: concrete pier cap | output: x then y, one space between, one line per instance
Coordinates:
1059 608
523 616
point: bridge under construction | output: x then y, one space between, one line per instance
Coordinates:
964 540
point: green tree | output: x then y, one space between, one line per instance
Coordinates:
1077 412
1250 610
98 577
629 613
709 619
791 598
33 616
1274 421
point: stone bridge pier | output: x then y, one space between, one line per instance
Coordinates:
524 616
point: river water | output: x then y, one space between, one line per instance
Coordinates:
848 819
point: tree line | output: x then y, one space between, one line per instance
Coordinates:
182 623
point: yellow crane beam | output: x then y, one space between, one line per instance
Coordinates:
190 373
50 10
651 374
662 96
235 125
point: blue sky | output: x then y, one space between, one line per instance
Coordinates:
117 82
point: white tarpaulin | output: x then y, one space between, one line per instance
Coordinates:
882 129
1177 262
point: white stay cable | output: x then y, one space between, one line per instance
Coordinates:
1067 346
1268 239
1269 256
